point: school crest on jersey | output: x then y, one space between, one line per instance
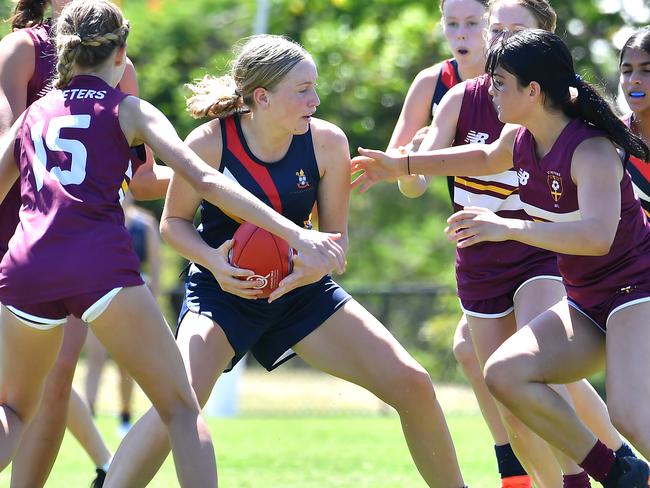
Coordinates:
555 186
302 179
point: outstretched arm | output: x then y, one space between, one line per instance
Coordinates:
439 136
142 122
470 159
597 171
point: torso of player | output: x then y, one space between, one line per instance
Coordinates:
38 86
488 269
478 123
549 193
289 185
73 160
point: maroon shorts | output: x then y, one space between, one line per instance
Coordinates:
47 315
502 305
622 298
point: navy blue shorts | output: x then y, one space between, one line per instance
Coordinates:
268 330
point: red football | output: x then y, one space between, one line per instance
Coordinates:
262 252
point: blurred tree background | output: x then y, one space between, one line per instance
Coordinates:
367 53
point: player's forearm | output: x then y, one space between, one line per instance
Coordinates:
183 237
579 238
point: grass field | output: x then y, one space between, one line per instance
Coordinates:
294 443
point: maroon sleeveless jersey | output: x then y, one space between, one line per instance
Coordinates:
71 238
39 84
489 269
549 194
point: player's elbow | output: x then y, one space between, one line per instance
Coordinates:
600 242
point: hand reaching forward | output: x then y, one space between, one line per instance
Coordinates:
475 224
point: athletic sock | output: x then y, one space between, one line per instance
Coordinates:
580 480
125 417
522 481
508 463
599 462
625 451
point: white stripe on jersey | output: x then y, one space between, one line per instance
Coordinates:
468 199
230 176
637 191
540 213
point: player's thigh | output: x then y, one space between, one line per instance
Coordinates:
489 333
628 359
26 356
535 297
136 335
558 346
205 350
74 337
352 344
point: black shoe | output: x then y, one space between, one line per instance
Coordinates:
98 482
632 473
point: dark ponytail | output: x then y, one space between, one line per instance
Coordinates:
541 56
28 13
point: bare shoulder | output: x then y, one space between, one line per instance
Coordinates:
16 40
17 51
597 153
427 78
326 133
206 142
330 144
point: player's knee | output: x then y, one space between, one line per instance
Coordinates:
500 379
627 417
465 356
180 404
412 386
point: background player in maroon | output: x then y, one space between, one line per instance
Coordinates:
95 50
571 181
27 66
266 138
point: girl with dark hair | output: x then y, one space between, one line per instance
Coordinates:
71 254
495 279
264 136
573 184
634 65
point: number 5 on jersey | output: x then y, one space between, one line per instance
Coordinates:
77 172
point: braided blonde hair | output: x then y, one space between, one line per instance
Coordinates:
263 61
87 33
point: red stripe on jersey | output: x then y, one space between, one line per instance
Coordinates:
259 173
448 74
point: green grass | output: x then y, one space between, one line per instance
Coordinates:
305 452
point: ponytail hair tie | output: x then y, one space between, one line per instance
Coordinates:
578 79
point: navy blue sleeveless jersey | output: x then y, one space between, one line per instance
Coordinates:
268 330
288 186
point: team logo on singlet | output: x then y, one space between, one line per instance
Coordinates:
555 185
474 137
302 179
523 176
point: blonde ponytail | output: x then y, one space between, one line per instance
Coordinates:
215 98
